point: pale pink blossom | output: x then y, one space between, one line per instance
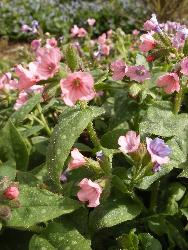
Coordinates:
91 21
105 49
52 42
129 143
135 32
102 39
37 89
147 43
138 73
35 44
26 28
152 24
82 32
21 100
77 160
74 30
184 66
11 193
119 69
6 83
89 192
48 62
27 77
169 82
77 86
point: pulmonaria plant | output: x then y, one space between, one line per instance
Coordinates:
94 136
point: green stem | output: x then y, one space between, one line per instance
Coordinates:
44 122
154 197
178 101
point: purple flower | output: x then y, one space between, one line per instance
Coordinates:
156 167
63 177
138 73
158 150
99 155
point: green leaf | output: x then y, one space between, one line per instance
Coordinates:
161 121
141 60
13 146
148 242
39 205
39 243
61 236
113 212
71 124
129 241
8 169
20 115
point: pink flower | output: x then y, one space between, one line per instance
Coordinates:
21 100
138 73
148 43
105 49
135 32
6 83
90 192
169 82
35 44
82 32
27 77
26 28
152 24
184 66
77 160
119 69
74 30
102 39
91 21
77 86
48 62
11 193
52 42
37 89
129 143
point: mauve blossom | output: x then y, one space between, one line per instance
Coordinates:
138 73
147 43
169 82
11 193
89 192
178 40
91 21
129 143
77 160
48 62
119 69
152 24
105 49
184 66
35 44
156 167
37 89
158 150
27 77
82 32
77 86
102 39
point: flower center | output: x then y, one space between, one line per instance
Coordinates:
51 66
77 82
140 72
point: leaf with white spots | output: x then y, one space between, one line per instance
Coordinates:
39 205
71 124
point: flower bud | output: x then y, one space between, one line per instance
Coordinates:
11 193
5 212
150 58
